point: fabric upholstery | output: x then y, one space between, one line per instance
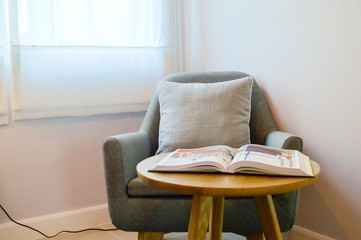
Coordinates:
204 114
137 206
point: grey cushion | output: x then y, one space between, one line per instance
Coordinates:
203 114
138 188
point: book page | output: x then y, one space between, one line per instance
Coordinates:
267 155
262 159
217 156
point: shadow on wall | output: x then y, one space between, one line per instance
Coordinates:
320 200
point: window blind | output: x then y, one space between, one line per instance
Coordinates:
85 57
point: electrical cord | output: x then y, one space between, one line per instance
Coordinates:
64 231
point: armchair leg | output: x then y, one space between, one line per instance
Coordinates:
254 236
150 235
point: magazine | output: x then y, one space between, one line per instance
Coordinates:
249 159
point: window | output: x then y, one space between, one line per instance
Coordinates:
3 102
84 57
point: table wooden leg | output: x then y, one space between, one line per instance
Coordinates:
200 215
268 217
150 235
217 218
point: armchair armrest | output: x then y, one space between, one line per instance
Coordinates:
279 139
121 155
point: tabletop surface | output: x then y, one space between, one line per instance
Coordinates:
221 184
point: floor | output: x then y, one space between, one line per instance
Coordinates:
118 234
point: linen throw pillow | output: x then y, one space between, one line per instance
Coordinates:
204 114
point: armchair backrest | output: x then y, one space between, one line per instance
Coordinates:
261 122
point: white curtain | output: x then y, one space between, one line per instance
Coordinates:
3 102
84 57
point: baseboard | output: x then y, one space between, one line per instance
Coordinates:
96 216
51 224
298 232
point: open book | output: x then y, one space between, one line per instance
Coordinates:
250 159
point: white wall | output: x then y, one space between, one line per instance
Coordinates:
306 55
56 165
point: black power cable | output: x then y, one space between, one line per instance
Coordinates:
64 231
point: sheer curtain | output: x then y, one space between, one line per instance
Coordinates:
84 57
3 102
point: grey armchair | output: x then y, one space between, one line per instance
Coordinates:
139 207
